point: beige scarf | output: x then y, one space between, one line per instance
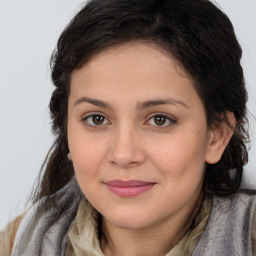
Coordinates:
84 241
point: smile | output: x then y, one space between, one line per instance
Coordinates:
128 188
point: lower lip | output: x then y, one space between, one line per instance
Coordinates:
129 191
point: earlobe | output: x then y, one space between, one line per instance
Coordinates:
220 136
69 156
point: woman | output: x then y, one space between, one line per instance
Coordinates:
149 113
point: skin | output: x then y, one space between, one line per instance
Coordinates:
130 145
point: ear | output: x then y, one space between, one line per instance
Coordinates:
220 136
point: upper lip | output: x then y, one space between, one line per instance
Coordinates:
128 183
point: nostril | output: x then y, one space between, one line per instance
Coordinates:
127 158
125 150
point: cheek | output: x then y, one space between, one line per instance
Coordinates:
180 155
86 161
86 158
85 147
86 154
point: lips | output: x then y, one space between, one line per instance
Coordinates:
128 188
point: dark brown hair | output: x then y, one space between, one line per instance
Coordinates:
198 34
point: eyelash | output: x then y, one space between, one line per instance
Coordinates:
167 118
102 118
86 118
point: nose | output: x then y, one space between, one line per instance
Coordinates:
126 149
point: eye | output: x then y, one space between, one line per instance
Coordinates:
96 120
161 120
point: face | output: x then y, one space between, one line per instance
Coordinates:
137 135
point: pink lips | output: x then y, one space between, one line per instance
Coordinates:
128 188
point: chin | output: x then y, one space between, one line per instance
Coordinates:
129 220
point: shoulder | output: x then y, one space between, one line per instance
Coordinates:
242 200
245 201
7 236
230 229
251 195
238 208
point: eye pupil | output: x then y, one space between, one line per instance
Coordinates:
97 119
159 120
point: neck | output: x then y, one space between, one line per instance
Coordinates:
154 240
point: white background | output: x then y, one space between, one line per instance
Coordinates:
29 30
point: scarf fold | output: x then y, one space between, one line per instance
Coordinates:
45 233
83 236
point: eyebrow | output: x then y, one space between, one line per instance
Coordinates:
156 102
140 105
95 102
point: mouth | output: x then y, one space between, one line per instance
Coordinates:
130 188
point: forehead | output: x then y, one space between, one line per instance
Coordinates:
128 51
133 69
140 53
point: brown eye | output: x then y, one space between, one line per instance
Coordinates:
160 120
96 120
